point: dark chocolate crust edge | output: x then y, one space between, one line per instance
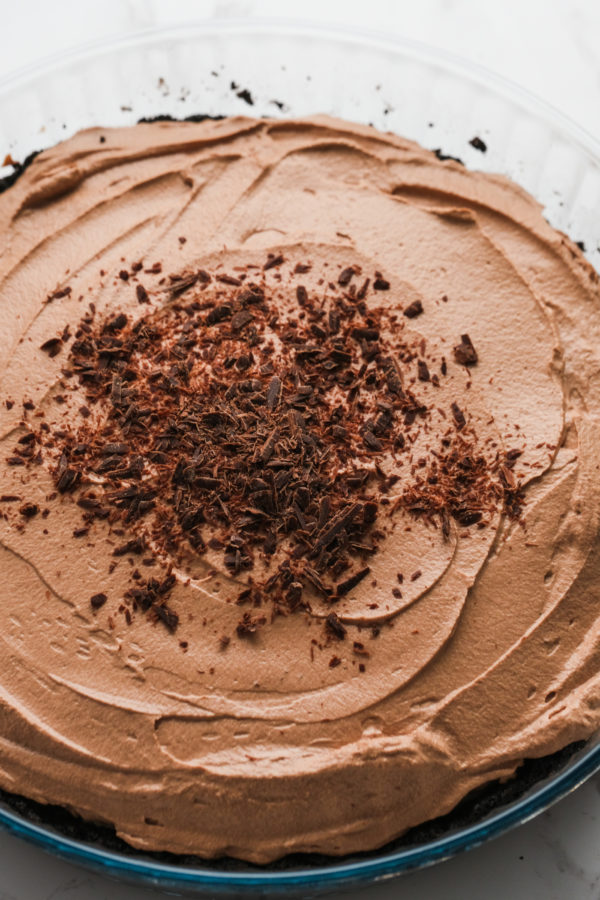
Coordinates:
18 168
471 810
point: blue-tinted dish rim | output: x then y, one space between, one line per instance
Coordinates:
384 865
355 872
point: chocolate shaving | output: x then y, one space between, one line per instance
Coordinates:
166 615
229 279
301 295
273 392
181 284
249 624
335 627
371 441
380 283
423 370
58 295
459 416
467 517
344 587
52 347
241 319
346 276
28 510
414 309
98 600
272 261
116 324
465 353
67 478
294 595
135 545
341 521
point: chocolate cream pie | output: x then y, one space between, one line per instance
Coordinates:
299 502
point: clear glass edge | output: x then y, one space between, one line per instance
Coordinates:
295 27
385 865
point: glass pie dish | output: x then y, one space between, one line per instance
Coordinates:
280 70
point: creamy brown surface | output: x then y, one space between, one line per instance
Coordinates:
490 657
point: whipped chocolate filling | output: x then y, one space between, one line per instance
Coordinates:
169 293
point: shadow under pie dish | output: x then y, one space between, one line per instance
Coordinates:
299 425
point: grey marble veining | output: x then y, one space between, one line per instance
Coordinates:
551 48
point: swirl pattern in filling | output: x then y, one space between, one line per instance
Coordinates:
298 484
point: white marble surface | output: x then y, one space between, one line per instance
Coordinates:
552 47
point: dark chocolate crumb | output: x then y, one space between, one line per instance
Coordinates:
98 600
414 309
52 346
423 370
465 353
166 615
273 260
246 96
249 624
380 283
28 510
141 294
478 144
135 546
443 157
459 416
334 626
346 276
344 587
